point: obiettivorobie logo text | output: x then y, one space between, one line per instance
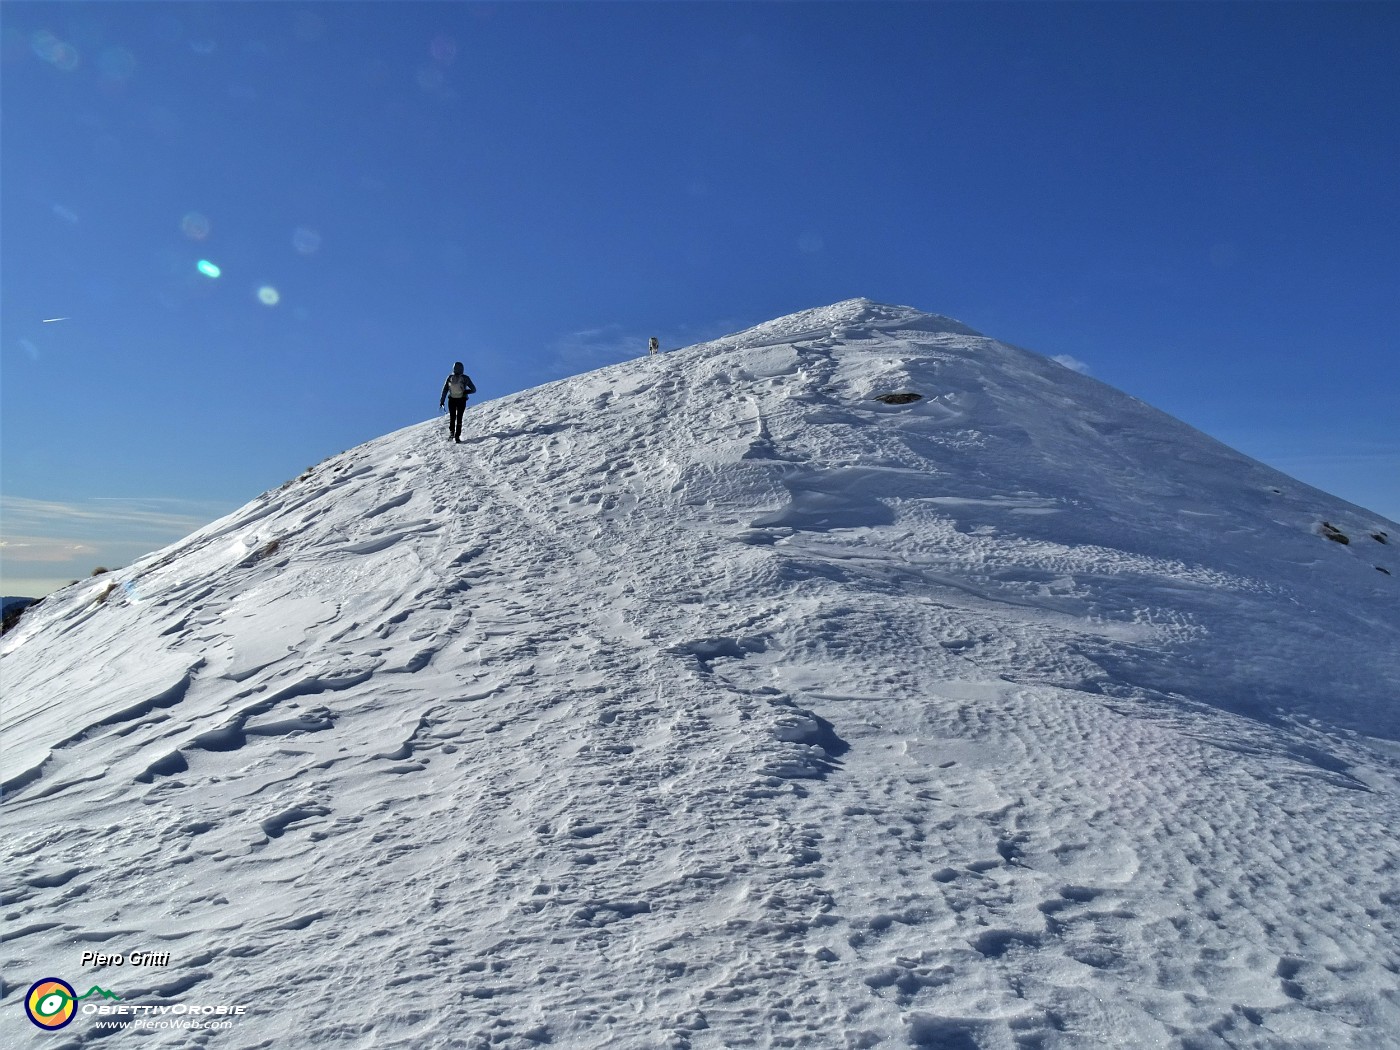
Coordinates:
52 1003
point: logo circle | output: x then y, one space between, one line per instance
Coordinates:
51 1003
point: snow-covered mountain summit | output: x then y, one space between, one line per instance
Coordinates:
851 317
734 697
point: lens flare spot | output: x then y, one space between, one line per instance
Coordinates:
56 52
195 226
307 241
268 295
207 268
43 43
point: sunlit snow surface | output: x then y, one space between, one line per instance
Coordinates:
707 701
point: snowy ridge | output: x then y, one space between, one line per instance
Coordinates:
707 701
851 317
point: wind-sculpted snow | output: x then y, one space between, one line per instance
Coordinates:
708 701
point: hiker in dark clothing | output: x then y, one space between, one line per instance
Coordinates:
454 395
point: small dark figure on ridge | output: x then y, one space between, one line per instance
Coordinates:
454 395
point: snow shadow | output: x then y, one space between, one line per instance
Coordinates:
840 498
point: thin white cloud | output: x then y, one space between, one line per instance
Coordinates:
124 515
53 540
43 549
1072 363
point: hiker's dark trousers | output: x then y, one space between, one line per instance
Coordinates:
455 407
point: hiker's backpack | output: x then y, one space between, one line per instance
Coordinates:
457 385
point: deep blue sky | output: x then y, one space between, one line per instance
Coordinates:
1198 201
